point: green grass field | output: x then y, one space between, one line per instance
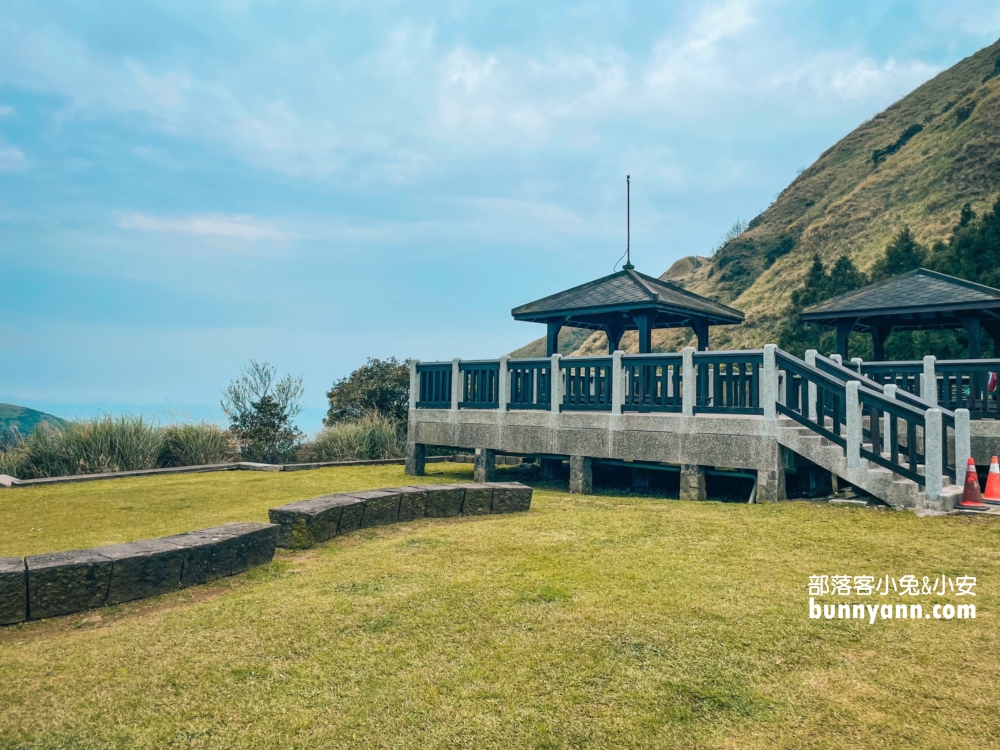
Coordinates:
600 621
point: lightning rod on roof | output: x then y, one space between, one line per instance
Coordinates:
628 223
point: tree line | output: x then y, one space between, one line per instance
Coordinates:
971 252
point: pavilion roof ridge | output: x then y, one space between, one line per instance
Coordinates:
645 280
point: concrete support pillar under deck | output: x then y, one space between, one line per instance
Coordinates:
693 482
486 465
416 454
581 475
770 485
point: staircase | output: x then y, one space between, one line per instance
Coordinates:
878 481
826 414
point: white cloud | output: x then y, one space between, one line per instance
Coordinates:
6 110
207 225
11 158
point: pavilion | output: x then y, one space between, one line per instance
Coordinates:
920 300
627 301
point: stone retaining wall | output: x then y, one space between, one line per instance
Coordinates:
308 522
60 583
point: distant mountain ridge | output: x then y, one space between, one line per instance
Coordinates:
915 164
25 420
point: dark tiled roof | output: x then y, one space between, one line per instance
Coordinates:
626 288
916 290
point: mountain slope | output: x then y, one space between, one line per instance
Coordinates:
914 164
25 420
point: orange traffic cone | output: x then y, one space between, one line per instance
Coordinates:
992 494
970 495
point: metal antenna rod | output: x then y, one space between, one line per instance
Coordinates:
628 222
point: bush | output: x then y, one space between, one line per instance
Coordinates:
373 436
111 444
196 445
379 386
107 444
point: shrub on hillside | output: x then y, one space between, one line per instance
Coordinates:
373 436
196 445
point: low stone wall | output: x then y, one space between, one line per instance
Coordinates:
61 583
308 522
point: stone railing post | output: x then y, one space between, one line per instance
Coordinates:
503 384
811 395
933 455
852 406
687 381
837 358
889 391
769 383
928 382
456 384
556 383
963 444
414 383
857 363
617 382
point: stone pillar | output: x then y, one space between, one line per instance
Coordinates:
486 465
503 384
687 381
769 383
581 475
933 456
853 423
811 360
555 384
963 444
617 382
770 485
928 386
693 482
456 384
416 454
414 383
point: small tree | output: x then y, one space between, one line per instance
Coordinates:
903 254
260 410
379 386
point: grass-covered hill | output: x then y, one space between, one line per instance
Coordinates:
25 420
915 164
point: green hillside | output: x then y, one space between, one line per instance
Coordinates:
25 420
915 164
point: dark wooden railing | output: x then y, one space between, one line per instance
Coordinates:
903 443
530 383
964 384
652 382
830 408
903 375
728 382
480 385
587 383
434 384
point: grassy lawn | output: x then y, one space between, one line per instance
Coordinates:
89 514
602 621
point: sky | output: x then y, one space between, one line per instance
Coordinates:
186 186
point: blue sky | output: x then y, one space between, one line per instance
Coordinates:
186 186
